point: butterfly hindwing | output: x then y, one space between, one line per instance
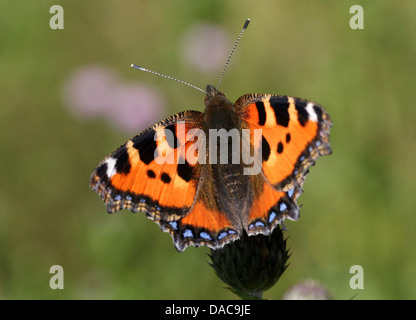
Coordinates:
270 208
202 226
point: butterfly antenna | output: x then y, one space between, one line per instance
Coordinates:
165 76
232 51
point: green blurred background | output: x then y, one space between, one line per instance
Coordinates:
358 204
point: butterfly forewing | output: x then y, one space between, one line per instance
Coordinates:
295 133
149 173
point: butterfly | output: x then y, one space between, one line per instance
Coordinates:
202 198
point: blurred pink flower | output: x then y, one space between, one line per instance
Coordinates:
134 107
85 92
95 91
308 290
206 47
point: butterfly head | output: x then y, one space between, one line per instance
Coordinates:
212 93
219 111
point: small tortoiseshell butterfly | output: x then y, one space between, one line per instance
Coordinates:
211 204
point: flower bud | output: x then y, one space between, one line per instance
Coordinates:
251 264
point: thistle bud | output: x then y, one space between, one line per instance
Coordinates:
252 264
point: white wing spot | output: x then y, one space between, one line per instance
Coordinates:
111 164
311 112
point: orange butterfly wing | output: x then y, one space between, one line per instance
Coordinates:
132 178
152 174
294 133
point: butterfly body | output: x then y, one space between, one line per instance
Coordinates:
229 186
208 197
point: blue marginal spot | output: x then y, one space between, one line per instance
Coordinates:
129 198
302 158
290 192
282 207
222 235
272 216
251 226
317 143
117 197
174 225
259 224
142 200
188 234
232 232
205 235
